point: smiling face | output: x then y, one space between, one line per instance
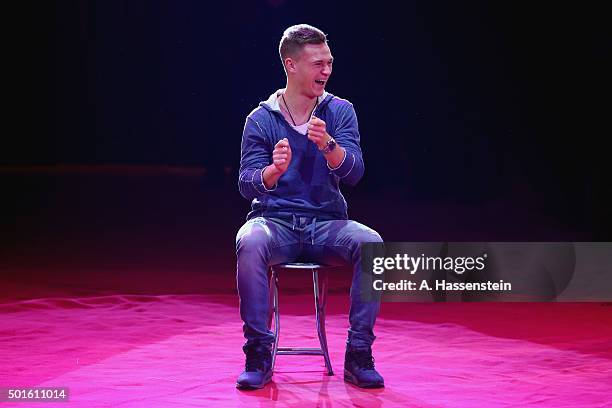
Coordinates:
310 70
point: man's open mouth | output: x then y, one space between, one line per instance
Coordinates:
320 81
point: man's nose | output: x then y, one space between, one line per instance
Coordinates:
327 69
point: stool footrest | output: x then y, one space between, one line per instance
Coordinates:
300 351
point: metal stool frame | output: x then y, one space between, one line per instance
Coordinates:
320 297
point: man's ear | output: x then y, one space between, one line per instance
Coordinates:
289 65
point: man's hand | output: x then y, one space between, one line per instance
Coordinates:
281 155
317 132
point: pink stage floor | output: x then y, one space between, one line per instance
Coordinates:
184 350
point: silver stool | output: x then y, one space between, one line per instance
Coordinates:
319 279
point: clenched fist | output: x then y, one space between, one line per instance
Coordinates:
317 132
281 155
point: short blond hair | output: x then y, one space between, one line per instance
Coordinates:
296 37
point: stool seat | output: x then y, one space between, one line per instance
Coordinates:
300 265
319 279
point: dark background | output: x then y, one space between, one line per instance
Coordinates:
479 120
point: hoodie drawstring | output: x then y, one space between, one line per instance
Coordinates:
313 226
296 222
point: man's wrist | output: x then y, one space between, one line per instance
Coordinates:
271 170
329 146
272 174
321 147
335 158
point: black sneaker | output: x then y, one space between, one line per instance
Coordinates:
359 369
258 368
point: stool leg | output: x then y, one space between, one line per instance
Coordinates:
320 295
271 299
274 310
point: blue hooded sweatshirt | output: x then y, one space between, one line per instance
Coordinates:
309 187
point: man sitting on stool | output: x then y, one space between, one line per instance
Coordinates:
296 148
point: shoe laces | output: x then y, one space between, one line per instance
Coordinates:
363 358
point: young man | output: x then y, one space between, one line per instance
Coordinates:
296 148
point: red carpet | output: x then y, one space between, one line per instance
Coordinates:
123 290
184 350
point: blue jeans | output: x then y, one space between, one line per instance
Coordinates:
263 242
